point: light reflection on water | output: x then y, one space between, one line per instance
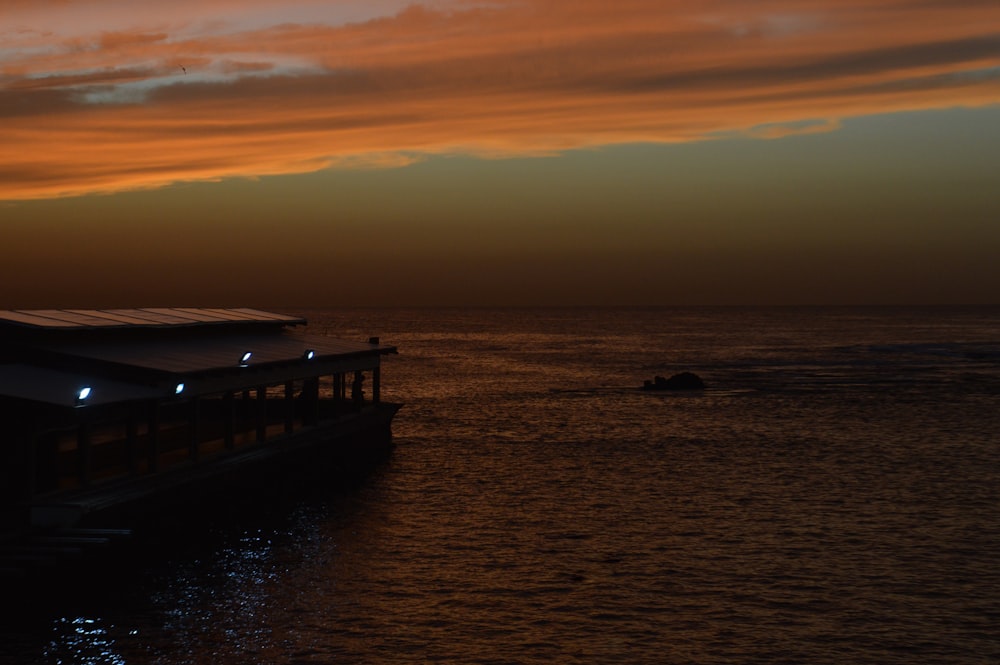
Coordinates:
828 501
84 641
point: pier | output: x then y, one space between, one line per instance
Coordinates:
108 412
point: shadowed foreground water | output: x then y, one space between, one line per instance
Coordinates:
833 498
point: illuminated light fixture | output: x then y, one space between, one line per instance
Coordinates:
82 394
179 388
245 358
309 354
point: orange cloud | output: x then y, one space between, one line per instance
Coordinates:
159 102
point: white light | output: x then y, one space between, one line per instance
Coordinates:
179 388
309 354
245 358
83 393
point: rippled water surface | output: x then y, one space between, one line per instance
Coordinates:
834 497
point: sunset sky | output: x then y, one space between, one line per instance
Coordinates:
292 153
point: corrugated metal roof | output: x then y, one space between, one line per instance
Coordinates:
119 317
34 319
153 317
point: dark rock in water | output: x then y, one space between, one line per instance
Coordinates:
682 381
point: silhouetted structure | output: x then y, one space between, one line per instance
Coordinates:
106 410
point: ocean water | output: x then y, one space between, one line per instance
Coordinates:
833 497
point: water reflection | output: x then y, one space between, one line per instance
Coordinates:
239 587
84 641
223 600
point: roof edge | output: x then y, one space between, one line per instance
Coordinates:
141 318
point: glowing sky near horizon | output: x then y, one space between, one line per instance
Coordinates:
112 98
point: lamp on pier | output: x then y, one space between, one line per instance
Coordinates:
82 394
245 358
309 354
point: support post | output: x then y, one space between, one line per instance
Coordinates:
194 428
358 390
289 406
29 451
337 396
229 420
154 437
83 452
310 401
261 413
131 442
